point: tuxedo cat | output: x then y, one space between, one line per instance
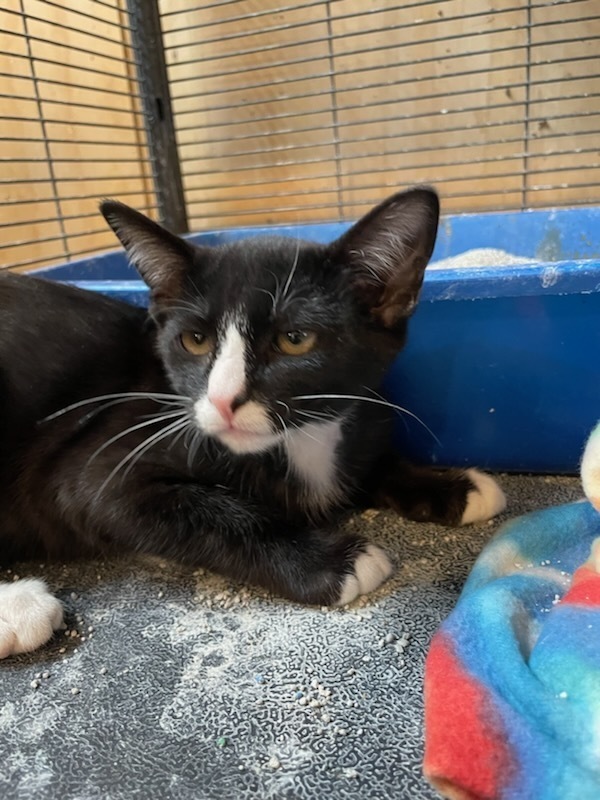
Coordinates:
230 425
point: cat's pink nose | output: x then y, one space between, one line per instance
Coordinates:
226 404
223 404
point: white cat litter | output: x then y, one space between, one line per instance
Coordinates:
480 257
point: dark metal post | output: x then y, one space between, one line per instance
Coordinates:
146 36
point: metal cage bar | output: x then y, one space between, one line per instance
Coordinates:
220 113
156 99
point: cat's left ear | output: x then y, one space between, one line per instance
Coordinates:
160 257
387 252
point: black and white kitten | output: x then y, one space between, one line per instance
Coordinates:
227 428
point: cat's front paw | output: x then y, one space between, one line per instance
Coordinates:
29 615
371 568
484 500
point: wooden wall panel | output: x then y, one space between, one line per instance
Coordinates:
564 163
71 129
468 96
287 112
25 175
427 126
243 125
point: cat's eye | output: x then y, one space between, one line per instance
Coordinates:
296 343
196 343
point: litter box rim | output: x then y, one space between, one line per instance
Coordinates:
527 234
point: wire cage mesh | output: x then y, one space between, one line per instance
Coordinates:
259 112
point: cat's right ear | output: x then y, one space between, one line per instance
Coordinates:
160 257
387 251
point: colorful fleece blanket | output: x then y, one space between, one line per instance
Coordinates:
512 680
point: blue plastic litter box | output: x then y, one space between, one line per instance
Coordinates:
502 363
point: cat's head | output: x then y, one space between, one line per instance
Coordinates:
248 330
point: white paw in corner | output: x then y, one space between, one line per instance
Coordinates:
485 500
370 569
29 615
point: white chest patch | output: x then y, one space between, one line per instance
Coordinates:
312 456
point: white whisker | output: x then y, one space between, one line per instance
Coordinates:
184 409
180 434
394 407
302 429
195 310
285 405
293 270
170 415
168 399
188 437
319 416
284 427
185 305
153 439
270 294
143 446
196 440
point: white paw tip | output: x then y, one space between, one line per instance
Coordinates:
29 615
371 568
484 501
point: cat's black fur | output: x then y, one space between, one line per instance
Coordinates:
188 497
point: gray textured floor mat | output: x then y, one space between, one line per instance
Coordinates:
175 684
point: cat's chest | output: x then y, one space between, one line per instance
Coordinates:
313 455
